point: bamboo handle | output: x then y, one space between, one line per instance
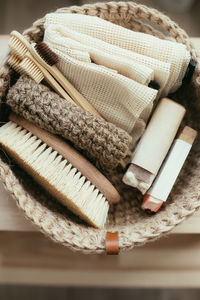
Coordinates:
76 96
50 80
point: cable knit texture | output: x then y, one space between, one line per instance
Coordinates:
102 142
134 226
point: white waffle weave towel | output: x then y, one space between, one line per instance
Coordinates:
118 99
166 51
82 46
99 49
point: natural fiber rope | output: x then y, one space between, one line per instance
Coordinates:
134 227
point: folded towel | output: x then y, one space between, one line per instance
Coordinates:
102 52
167 51
119 100
78 45
102 142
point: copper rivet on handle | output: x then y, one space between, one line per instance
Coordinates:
112 243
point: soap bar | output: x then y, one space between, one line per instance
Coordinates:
159 135
154 145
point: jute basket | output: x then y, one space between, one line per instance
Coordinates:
134 226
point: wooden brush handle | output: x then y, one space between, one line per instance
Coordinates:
72 156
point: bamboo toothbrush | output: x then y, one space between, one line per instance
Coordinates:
23 62
30 67
20 46
14 61
48 59
62 171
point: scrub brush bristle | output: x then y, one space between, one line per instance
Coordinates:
60 169
55 174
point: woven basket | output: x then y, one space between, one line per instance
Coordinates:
134 226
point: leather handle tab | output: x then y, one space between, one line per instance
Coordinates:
112 243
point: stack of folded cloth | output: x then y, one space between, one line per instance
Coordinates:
113 67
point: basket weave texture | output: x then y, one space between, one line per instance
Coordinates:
134 226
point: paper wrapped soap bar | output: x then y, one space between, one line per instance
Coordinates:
154 144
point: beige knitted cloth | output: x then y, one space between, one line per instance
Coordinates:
166 51
133 225
102 142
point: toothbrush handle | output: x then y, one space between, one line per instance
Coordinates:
76 96
51 81
66 85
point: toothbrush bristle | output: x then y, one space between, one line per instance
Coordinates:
47 54
55 174
14 62
17 47
28 67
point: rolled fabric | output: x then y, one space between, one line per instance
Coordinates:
102 142
118 99
167 51
76 45
57 36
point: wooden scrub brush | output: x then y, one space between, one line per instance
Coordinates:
60 169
